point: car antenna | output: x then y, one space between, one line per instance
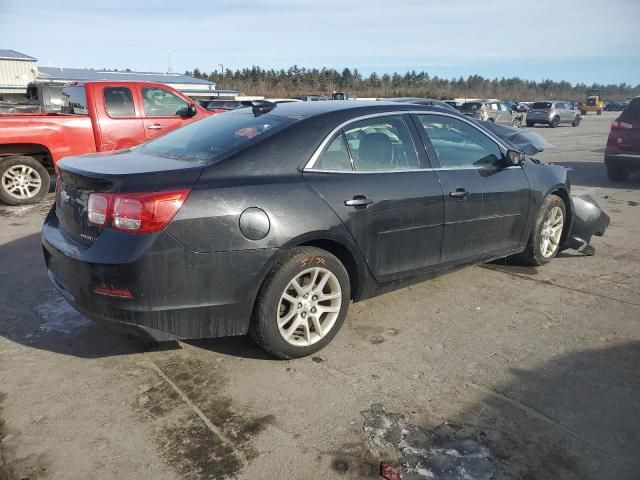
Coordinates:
259 106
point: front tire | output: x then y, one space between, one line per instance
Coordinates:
617 174
599 112
576 121
23 181
517 122
546 236
530 124
302 303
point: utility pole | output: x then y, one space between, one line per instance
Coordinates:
169 61
222 77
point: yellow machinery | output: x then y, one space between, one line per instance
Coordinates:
594 102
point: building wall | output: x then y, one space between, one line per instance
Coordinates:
15 75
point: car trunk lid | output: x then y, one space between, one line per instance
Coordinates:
122 172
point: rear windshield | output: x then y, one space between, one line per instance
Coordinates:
541 105
222 104
208 140
74 100
632 112
471 106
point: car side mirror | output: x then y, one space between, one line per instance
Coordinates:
515 157
191 111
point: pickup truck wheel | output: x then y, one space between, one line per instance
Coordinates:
23 180
302 303
546 236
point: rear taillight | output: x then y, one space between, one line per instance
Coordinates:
98 208
135 212
618 125
547 110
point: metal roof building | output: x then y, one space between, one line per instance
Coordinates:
194 87
17 70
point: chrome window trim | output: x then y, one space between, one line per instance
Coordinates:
397 170
314 158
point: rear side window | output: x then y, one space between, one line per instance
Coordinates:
74 100
118 102
632 112
541 105
381 143
210 139
158 102
336 156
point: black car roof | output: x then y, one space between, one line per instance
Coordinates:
304 110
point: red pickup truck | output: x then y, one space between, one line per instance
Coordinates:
95 117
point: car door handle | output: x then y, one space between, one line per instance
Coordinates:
460 194
155 126
358 201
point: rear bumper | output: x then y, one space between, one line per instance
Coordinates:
176 293
628 161
538 118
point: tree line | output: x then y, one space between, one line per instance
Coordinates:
300 80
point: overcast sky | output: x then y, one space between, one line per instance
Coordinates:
575 40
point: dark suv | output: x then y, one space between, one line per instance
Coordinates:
622 154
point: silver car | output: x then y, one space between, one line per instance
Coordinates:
553 114
492 111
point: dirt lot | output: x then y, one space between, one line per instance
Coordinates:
497 371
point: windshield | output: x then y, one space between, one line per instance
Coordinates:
471 106
541 105
209 139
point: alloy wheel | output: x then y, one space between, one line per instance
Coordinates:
21 182
551 232
309 306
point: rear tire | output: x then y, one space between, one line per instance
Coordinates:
555 121
288 321
617 174
534 254
23 181
576 121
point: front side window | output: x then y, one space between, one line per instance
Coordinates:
118 102
381 143
158 102
458 144
503 108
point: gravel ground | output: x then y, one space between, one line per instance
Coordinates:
497 371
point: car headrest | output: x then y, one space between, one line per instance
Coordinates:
376 150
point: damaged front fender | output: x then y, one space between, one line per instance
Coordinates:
588 220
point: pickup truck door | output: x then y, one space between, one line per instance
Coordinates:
162 111
118 121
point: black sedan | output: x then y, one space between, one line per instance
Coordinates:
270 220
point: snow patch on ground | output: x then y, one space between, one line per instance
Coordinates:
427 454
60 317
